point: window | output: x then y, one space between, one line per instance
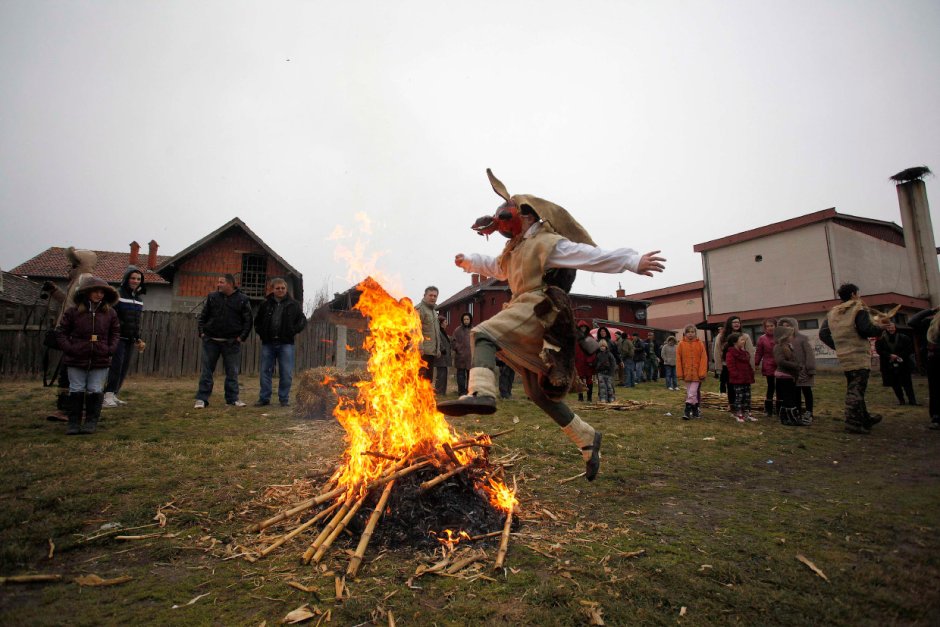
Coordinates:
253 276
613 313
754 330
808 324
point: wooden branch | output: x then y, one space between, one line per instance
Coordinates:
308 554
380 455
427 485
449 451
30 579
300 507
504 541
397 475
339 528
484 536
459 565
356 560
287 536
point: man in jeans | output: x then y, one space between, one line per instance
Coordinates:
224 323
279 319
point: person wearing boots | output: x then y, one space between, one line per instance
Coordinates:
805 357
846 330
535 332
691 367
81 265
88 335
461 347
786 374
584 356
896 360
764 359
130 309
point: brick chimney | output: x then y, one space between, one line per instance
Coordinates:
152 255
621 293
474 279
134 258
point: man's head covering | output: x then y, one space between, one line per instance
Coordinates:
557 217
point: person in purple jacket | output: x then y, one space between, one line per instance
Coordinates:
764 359
88 334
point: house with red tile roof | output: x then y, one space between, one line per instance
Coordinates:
180 282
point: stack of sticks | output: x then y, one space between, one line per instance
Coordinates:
714 400
342 503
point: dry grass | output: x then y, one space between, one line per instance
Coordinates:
705 515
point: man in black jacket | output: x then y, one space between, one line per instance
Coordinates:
224 323
279 319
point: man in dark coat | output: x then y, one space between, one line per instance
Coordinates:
224 323
279 319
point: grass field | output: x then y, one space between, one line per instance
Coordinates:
697 522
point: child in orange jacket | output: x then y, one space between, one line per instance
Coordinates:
691 367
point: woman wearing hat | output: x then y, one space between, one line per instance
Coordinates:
88 334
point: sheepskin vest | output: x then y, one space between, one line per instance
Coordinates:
853 350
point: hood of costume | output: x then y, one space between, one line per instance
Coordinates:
782 333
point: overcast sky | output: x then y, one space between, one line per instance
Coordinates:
657 125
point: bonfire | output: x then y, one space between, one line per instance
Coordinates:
403 461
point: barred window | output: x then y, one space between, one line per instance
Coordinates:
808 324
253 275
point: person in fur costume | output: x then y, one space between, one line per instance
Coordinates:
81 265
535 333
846 330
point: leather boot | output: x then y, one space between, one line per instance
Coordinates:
480 397
92 412
588 439
687 413
76 402
769 408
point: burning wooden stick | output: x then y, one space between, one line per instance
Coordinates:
325 546
356 560
300 507
397 475
504 541
427 485
300 529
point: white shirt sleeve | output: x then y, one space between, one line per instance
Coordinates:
483 264
568 254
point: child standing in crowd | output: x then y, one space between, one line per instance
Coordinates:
786 373
604 366
805 358
691 366
669 363
740 376
585 350
764 357
88 334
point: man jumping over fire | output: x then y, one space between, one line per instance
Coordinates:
535 333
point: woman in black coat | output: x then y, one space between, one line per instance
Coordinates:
896 360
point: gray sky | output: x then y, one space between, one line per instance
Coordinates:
658 125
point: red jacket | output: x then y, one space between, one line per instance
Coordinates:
740 371
765 355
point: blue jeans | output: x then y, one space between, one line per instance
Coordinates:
230 353
91 381
671 381
628 374
284 355
120 362
638 370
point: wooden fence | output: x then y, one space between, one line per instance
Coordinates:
174 349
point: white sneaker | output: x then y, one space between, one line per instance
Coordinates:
199 405
119 401
238 404
109 400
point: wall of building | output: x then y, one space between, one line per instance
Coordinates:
794 268
875 265
676 310
198 274
159 298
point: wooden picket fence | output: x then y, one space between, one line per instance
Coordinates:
174 348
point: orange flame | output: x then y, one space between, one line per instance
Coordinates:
395 413
501 496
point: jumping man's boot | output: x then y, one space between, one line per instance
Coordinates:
480 397
588 439
76 402
93 404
